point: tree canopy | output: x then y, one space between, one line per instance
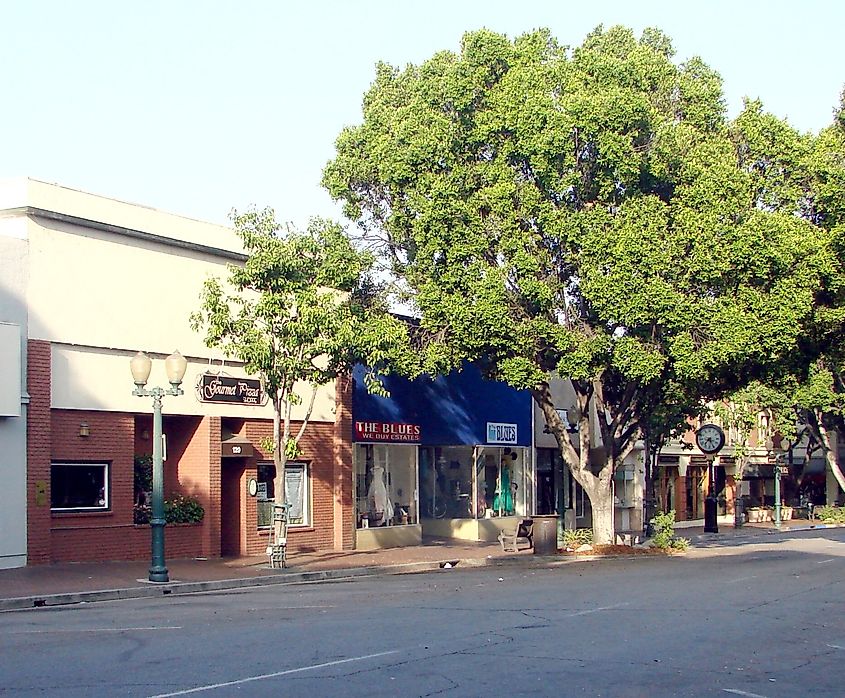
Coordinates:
302 310
588 213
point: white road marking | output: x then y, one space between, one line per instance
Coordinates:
737 692
93 630
595 610
261 677
741 579
821 562
837 647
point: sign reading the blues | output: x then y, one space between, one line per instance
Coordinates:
387 431
213 387
501 433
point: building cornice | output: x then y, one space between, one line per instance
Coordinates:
35 212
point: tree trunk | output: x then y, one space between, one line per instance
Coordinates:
601 499
279 453
831 450
598 488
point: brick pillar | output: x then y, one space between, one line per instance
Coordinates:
344 524
38 447
199 476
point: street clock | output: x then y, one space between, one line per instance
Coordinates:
710 439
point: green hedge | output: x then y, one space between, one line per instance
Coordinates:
830 514
180 509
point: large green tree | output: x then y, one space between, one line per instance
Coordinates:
803 175
301 311
580 213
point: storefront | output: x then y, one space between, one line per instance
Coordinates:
82 460
448 457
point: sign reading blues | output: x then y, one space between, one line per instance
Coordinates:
501 433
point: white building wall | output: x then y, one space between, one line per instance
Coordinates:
101 295
13 316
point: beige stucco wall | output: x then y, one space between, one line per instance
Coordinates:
101 295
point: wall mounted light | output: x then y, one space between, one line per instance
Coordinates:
84 430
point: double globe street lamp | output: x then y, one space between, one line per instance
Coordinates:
175 366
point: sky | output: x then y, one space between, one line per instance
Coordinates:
197 107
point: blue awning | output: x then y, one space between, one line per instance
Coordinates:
459 409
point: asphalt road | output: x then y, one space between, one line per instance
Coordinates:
756 619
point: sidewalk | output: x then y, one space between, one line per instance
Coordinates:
67 583
64 583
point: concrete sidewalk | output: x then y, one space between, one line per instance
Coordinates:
64 583
67 583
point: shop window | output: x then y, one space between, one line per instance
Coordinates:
385 485
460 482
79 486
297 493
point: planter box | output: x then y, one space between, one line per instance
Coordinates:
767 514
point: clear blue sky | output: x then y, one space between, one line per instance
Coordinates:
196 107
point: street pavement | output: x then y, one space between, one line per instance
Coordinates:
65 583
755 615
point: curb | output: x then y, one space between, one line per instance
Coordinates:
711 537
273 579
21 603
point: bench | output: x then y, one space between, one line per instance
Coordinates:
521 537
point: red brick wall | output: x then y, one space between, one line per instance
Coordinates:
38 452
317 447
198 473
124 542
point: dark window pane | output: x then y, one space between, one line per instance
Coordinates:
78 486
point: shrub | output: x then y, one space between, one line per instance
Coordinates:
830 514
575 537
180 509
143 477
664 532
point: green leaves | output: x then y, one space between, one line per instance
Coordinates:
591 212
304 307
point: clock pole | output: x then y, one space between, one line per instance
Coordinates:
711 520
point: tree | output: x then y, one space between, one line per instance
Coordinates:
299 313
803 175
579 213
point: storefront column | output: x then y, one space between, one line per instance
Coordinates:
38 451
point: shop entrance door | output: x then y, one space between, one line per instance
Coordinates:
231 516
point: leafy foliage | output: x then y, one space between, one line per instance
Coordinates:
300 312
664 533
574 537
590 214
830 514
179 509
142 476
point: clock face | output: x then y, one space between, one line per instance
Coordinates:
710 438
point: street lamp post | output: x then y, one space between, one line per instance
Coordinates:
775 448
175 366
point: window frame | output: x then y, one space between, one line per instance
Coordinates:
107 469
305 466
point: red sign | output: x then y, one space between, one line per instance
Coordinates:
387 431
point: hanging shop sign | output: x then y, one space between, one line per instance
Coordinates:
214 387
395 432
501 433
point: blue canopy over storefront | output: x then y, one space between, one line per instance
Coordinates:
459 409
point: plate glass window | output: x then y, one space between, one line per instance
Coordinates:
79 486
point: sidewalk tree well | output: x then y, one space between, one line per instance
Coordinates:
580 213
301 311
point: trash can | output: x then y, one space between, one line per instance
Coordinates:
545 534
